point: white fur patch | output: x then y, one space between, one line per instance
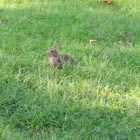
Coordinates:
53 60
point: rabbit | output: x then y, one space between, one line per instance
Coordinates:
56 60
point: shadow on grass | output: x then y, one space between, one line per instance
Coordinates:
62 118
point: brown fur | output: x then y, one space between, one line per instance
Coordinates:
57 60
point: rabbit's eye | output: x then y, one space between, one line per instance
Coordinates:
51 50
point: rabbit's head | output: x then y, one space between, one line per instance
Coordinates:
53 52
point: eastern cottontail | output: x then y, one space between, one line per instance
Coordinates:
57 60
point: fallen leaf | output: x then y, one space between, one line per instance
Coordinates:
91 41
109 2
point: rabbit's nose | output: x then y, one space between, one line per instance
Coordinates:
47 53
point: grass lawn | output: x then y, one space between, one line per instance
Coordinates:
96 100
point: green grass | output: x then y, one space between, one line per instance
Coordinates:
98 99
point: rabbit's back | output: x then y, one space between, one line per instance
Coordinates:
65 58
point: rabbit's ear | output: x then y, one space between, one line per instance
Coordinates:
57 46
